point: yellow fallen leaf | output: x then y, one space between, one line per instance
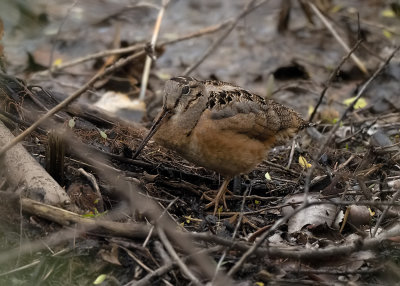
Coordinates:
259 283
303 162
371 213
361 102
310 109
387 33
388 13
57 62
336 8
268 176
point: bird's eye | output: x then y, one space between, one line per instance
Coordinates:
185 90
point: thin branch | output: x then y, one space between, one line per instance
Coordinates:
167 267
386 210
172 252
162 214
136 47
329 26
331 77
306 253
147 64
256 245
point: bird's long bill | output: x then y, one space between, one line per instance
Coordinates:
153 130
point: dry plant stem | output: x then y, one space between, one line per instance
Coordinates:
250 6
64 20
306 254
331 78
90 57
92 180
305 203
174 255
162 214
141 264
291 154
67 218
329 26
33 263
256 245
147 64
281 168
384 213
68 100
165 268
136 47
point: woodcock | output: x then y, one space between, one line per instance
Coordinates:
220 126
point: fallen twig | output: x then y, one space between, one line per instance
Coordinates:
147 64
329 26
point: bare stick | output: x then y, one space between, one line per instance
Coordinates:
256 245
136 47
247 9
381 240
291 153
152 227
171 251
147 64
141 264
68 100
166 267
329 26
92 179
94 56
331 77
394 198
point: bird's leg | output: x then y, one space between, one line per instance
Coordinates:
220 196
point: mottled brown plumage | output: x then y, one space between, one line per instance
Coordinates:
221 126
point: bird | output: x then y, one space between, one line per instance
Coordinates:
220 126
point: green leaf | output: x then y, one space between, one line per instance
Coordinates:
100 279
268 176
103 134
71 123
270 85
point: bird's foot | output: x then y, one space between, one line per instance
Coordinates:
219 197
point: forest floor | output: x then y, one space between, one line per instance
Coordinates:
322 209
